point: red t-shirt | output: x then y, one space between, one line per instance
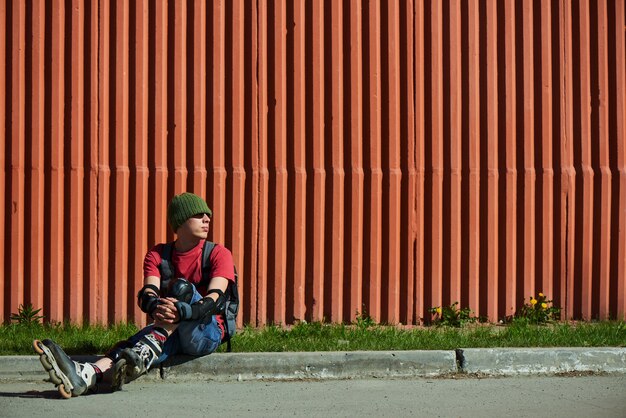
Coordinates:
189 266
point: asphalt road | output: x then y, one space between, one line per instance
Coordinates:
532 396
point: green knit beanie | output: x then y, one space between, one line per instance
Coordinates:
183 207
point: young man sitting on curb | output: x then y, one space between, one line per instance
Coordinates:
187 308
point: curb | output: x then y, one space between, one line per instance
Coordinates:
360 364
507 361
312 365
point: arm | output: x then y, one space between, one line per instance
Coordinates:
148 296
217 283
211 304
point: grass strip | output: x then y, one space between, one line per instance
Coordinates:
16 339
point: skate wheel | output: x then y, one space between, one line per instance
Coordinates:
54 378
64 392
45 362
119 375
37 346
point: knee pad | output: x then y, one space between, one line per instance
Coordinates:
180 289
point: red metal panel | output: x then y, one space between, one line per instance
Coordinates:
393 177
374 176
3 57
120 169
74 293
95 309
260 162
604 162
161 230
299 182
198 90
510 151
420 164
530 176
239 204
179 78
56 206
492 162
586 243
436 157
36 238
455 140
250 314
356 173
620 60
567 186
408 235
217 172
337 204
547 164
317 211
104 170
474 138
17 205
140 206
277 142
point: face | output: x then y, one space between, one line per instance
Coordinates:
195 227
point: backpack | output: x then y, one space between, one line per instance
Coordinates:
231 307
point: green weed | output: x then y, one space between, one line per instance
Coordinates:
537 311
363 320
27 315
452 316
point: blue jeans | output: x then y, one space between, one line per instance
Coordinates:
196 338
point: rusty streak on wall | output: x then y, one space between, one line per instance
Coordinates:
361 157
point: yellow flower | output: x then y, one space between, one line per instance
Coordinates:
540 294
438 310
544 305
533 301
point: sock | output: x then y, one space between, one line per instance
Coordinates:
98 371
160 335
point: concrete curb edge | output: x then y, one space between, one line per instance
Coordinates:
361 364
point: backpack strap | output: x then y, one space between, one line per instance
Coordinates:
232 308
166 267
206 262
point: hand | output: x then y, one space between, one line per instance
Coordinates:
166 311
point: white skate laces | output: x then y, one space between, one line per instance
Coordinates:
148 349
146 354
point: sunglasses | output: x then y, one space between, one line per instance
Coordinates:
201 215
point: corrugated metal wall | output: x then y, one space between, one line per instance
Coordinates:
371 156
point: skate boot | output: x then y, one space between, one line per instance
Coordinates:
70 377
136 361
